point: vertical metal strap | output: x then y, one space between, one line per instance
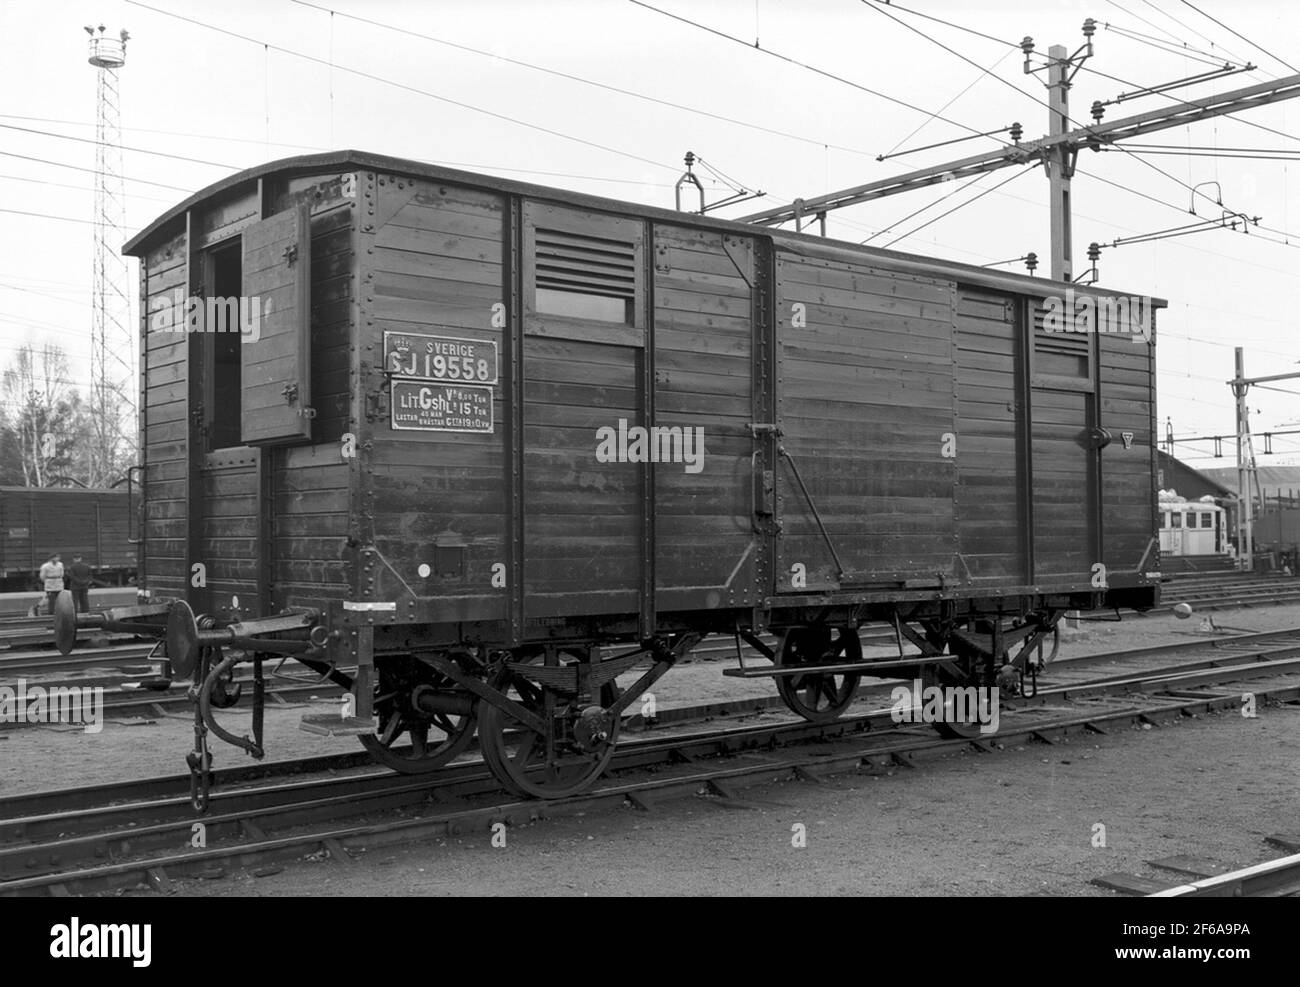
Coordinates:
647 617
839 566
513 338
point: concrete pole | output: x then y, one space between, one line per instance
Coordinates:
1058 163
1245 540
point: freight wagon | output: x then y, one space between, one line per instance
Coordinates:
37 522
492 455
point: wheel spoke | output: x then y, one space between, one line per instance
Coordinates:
830 689
819 697
539 764
419 738
399 677
525 750
810 692
391 729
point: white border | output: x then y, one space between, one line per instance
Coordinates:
496 358
425 382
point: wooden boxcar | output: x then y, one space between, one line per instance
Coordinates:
485 429
37 522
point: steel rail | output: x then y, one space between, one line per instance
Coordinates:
659 751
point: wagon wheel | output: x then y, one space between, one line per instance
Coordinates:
966 727
569 756
819 697
407 695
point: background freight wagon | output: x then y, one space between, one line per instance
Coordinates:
37 522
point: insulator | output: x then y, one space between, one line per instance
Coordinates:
1098 110
1017 132
1031 261
690 158
1089 28
1027 45
1094 251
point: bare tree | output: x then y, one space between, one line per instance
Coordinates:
41 413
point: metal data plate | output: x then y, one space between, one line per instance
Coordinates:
430 406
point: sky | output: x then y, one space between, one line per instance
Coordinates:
211 88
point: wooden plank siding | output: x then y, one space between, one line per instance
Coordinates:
705 540
583 518
36 522
868 364
305 566
865 397
163 453
991 518
308 494
310 509
1128 509
440 498
228 534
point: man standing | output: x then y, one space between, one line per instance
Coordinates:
80 578
51 576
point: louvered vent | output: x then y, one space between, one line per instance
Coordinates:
1065 342
1063 354
586 264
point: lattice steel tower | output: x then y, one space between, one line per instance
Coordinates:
113 346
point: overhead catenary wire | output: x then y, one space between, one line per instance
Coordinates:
79 188
1178 99
136 150
1131 153
471 165
962 205
871 5
1243 156
1184 50
1253 44
44 215
609 87
1149 23
893 151
803 65
382 80
927 207
72 167
1187 27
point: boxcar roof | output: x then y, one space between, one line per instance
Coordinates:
172 221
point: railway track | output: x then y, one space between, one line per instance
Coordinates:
1271 879
1198 877
125 696
143 831
14 606
128 655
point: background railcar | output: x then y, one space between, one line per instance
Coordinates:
36 522
1193 528
470 430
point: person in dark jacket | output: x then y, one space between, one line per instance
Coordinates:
80 578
